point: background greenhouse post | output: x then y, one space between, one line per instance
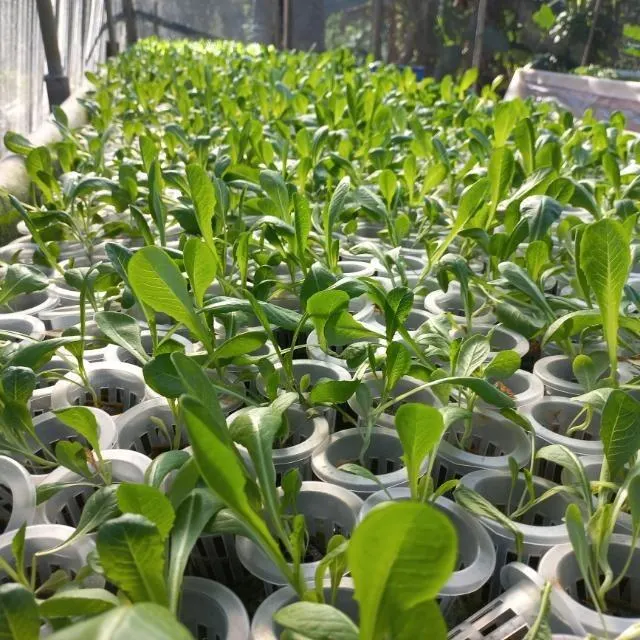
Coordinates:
112 42
130 20
377 28
57 82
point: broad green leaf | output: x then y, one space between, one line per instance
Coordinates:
333 391
122 330
158 283
143 621
20 279
222 470
318 278
192 516
558 454
19 618
321 306
156 206
576 322
544 17
524 137
415 547
420 429
198 384
388 184
201 265
520 280
579 542
83 421
163 465
17 143
78 602
132 556
315 621
606 260
480 506
397 365
500 172
161 375
474 351
279 316
505 117
540 212
34 356
619 430
275 186
149 502
503 365
18 383
203 196
240 344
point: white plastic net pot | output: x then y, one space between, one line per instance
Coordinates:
502 339
31 303
550 419
476 555
137 430
511 614
542 527
315 352
65 506
306 435
382 458
118 387
404 385
30 328
50 430
264 628
43 537
40 401
493 441
556 373
523 387
327 510
64 316
559 566
438 302
17 495
211 611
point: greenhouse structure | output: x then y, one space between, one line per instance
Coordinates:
320 319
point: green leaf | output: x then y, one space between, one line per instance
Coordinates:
520 280
203 196
19 618
505 117
148 502
321 306
619 430
132 556
474 351
34 356
144 621
333 391
201 265
163 465
415 547
192 516
560 455
606 261
342 328
315 621
156 206
337 202
279 316
388 185
524 137
544 17
480 506
420 429
122 330
318 278
540 212
579 542
20 279
161 375
275 186
221 469
500 172
16 143
157 282
83 421
18 383
397 365
503 365
78 602
73 455
240 344
301 223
